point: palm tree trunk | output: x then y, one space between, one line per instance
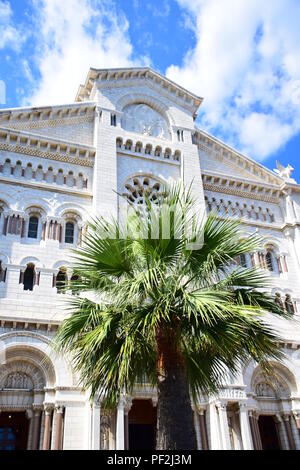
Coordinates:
175 421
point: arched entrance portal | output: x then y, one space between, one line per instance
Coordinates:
142 425
268 433
23 378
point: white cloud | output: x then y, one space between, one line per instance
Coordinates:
72 36
246 64
162 11
9 35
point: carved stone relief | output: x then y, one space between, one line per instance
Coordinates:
19 381
143 119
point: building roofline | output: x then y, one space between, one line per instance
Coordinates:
44 108
242 155
136 72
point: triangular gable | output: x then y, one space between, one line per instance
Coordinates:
134 76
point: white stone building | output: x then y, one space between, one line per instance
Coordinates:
127 129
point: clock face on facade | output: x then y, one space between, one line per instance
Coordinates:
143 119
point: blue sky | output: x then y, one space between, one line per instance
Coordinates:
242 57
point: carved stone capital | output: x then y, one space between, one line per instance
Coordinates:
59 408
154 400
222 405
29 414
48 408
286 417
243 406
127 404
37 408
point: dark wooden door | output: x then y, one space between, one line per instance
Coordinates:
142 425
13 431
268 433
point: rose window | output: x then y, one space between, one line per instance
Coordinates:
141 187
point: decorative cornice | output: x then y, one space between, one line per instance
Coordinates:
223 152
24 125
46 187
30 327
243 189
42 113
45 147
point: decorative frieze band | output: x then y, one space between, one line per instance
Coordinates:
46 148
50 123
237 192
49 155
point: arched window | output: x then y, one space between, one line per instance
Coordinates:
148 149
278 300
113 120
2 273
157 152
141 187
69 233
119 143
74 279
29 277
138 147
243 260
269 261
289 305
167 153
128 145
61 280
33 227
177 156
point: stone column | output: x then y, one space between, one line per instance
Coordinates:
42 428
120 434
126 431
295 423
214 428
257 431
29 416
197 428
281 433
224 426
203 429
36 429
127 407
253 432
245 427
58 444
47 428
96 422
286 419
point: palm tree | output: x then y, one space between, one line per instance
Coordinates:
176 308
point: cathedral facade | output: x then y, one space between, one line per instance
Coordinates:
129 130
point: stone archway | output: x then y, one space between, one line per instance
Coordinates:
272 417
23 378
